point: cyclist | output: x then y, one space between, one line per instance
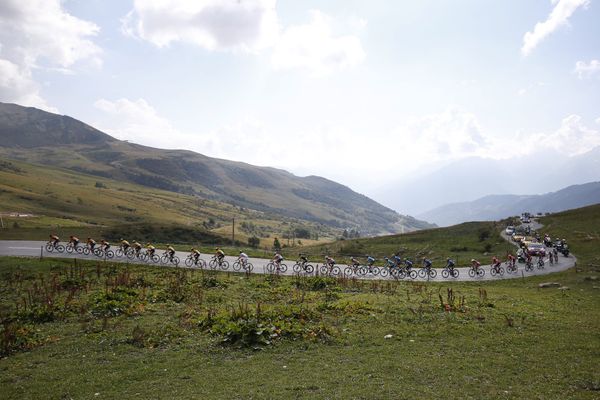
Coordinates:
54 239
495 262
137 247
170 252
475 264
408 264
91 243
195 254
277 259
124 245
511 260
397 259
219 254
150 249
426 263
105 245
330 262
302 258
74 240
354 262
370 261
243 259
450 264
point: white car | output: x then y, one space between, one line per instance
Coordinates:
510 230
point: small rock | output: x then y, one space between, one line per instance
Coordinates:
548 285
388 336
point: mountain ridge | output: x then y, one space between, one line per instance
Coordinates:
494 207
36 136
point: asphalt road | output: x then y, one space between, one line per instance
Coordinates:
23 248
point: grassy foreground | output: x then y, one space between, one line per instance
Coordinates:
94 330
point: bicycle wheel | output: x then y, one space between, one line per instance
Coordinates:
324 270
236 266
297 267
175 260
212 263
224 265
480 272
335 271
412 274
384 272
432 273
282 268
348 271
69 248
248 267
455 273
119 252
109 253
421 273
60 248
309 269
155 258
500 270
375 271
189 261
472 273
445 273
493 271
269 268
79 249
49 247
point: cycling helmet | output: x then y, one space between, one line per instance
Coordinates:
472 260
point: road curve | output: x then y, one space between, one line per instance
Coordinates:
23 248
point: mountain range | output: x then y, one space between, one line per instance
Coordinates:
472 178
39 137
496 207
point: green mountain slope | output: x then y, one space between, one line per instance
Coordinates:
39 137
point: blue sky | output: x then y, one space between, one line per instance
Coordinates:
349 90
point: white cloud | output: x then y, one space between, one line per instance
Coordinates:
212 24
587 70
572 138
559 16
138 121
248 26
313 46
40 34
17 86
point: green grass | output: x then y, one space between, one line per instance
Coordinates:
68 202
73 329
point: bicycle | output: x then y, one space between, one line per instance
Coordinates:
476 271
122 251
70 248
450 272
168 258
218 262
276 267
369 269
108 253
329 270
353 269
54 246
238 265
192 261
511 268
303 266
496 269
540 263
148 256
427 272
528 265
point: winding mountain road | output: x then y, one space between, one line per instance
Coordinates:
22 248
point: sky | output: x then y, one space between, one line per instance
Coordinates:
360 92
